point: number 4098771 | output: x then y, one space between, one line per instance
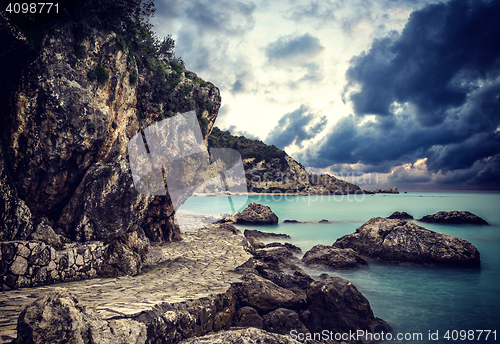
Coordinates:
33 7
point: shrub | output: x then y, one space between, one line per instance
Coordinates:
132 78
100 74
91 128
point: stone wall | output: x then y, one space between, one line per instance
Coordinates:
32 263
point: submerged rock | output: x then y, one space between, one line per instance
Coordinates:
259 235
454 217
256 214
400 215
321 256
405 242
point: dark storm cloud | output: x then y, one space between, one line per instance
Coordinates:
288 47
295 127
434 92
436 61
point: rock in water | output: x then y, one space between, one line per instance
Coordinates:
401 215
403 241
392 189
455 218
258 234
256 214
321 256
337 305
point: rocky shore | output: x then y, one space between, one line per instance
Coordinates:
212 281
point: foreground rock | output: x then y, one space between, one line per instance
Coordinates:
337 305
256 214
400 215
454 218
405 242
259 235
59 318
321 256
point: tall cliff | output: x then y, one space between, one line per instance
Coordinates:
68 110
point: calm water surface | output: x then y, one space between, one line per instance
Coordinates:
412 299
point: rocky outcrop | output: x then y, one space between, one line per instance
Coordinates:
400 215
260 235
405 242
392 190
454 218
337 305
328 257
265 296
248 317
60 318
256 214
282 321
46 234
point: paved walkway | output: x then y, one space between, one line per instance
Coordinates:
198 266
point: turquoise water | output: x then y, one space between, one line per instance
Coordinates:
412 299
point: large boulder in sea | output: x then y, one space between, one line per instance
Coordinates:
256 214
321 256
406 242
392 190
454 218
337 305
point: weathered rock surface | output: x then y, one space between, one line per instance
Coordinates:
400 215
256 214
259 234
454 217
46 234
59 318
287 245
282 321
337 305
405 242
248 317
329 257
265 296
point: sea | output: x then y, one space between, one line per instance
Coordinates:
423 304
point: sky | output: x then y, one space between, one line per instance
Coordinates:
382 93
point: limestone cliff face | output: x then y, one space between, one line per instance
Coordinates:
63 153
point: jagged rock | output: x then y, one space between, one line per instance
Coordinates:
377 190
125 256
393 190
454 217
298 281
47 235
256 214
287 245
282 321
400 215
248 317
337 305
273 253
259 235
406 242
105 205
15 217
58 317
321 256
265 296
246 336
159 224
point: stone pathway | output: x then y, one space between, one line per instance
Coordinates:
198 266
